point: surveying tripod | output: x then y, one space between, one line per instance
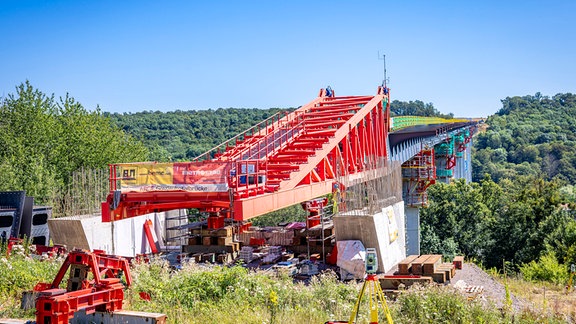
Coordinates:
376 294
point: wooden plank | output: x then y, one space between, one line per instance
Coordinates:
405 265
393 282
447 271
417 264
450 266
119 316
225 231
194 240
458 261
224 258
207 248
429 266
439 277
224 240
207 240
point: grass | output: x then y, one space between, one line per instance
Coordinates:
201 294
545 297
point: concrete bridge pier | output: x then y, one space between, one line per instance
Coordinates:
412 230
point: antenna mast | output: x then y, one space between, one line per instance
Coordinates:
383 58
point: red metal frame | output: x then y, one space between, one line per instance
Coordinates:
287 159
149 236
418 174
104 292
450 162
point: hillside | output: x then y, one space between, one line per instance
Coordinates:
520 209
530 135
183 135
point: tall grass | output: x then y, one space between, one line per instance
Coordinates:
19 273
201 294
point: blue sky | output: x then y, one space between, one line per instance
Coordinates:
129 56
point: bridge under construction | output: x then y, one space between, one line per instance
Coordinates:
347 152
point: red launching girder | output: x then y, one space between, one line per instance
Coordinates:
287 159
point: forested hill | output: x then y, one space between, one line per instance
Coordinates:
183 135
530 135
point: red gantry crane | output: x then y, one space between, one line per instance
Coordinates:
286 159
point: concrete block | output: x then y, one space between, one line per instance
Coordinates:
383 231
123 237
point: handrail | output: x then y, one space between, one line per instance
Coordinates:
291 133
206 155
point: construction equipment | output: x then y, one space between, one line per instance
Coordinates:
371 283
99 291
376 295
375 290
570 285
284 160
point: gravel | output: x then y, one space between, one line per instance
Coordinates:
494 292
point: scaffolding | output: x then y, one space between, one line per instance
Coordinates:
418 174
319 218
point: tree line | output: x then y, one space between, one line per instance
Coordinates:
521 206
44 140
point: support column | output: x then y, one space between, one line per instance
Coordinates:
468 162
412 230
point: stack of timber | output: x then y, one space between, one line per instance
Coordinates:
458 261
271 235
422 269
214 244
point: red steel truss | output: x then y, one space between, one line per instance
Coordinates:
287 159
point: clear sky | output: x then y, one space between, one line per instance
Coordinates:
129 56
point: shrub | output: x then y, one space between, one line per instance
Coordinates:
546 269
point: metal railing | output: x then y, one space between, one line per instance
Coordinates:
401 122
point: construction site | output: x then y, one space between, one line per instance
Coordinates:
360 175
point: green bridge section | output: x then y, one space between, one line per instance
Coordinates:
400 122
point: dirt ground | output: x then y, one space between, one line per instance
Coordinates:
493 291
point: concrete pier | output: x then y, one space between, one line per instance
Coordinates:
412 230
383 231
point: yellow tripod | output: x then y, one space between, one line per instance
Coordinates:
376 294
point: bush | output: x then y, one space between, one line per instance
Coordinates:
19 273
546 269
441 304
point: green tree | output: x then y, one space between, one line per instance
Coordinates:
43 141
